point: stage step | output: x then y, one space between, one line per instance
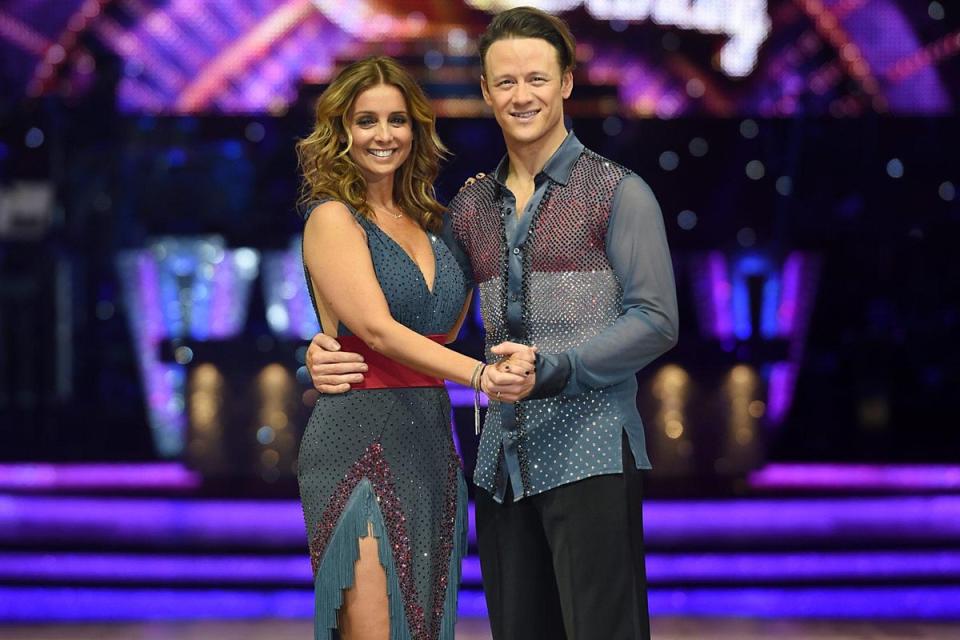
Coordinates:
761 523
113 558
663 569
886 545
52 604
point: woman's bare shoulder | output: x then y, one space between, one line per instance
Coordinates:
332 216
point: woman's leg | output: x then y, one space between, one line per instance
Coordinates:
365 613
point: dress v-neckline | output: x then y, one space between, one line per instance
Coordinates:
433 251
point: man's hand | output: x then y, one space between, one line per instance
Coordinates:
332 370
470 181
517 359
509 380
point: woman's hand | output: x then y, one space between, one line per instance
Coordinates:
512 378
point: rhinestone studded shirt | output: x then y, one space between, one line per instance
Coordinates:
584 273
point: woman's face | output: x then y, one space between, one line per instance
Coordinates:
382 131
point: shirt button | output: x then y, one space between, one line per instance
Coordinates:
516 251
514 297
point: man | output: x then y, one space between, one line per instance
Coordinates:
570 255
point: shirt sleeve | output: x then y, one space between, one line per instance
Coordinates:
450 238
636 247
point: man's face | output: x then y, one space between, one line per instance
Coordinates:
525 86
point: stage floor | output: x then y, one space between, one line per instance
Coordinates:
477 629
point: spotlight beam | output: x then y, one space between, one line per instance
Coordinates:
241 54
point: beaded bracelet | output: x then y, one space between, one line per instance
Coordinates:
474 377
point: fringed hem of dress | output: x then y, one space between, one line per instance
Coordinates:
336 571
336 550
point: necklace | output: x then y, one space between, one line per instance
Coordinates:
395 216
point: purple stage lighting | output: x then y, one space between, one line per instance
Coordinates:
165 521
294 570
244 56
47 477
808 476
55 604
290 312
872 603
723 307
179 288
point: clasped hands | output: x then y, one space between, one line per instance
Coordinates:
510 379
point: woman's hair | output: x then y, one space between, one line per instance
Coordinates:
527 22
324 158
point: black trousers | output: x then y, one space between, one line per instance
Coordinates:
567 563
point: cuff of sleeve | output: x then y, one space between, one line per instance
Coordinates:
553 372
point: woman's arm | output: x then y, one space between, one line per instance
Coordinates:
340 264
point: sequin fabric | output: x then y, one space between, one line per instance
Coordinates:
441 560
568 293
373 467
398 439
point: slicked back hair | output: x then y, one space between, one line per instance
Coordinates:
527 22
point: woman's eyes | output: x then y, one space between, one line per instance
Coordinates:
370 122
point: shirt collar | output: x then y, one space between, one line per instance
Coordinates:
557 168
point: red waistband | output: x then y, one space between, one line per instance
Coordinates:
384 373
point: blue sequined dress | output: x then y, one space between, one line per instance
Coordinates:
385 457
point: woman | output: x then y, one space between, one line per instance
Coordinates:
382 488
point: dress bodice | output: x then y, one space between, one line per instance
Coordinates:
410 300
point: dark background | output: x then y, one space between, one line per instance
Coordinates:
878 375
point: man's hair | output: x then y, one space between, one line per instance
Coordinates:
527 22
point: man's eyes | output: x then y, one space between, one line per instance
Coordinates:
539 80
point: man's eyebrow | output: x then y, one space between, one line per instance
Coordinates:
535 72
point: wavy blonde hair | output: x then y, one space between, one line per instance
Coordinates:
324 156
